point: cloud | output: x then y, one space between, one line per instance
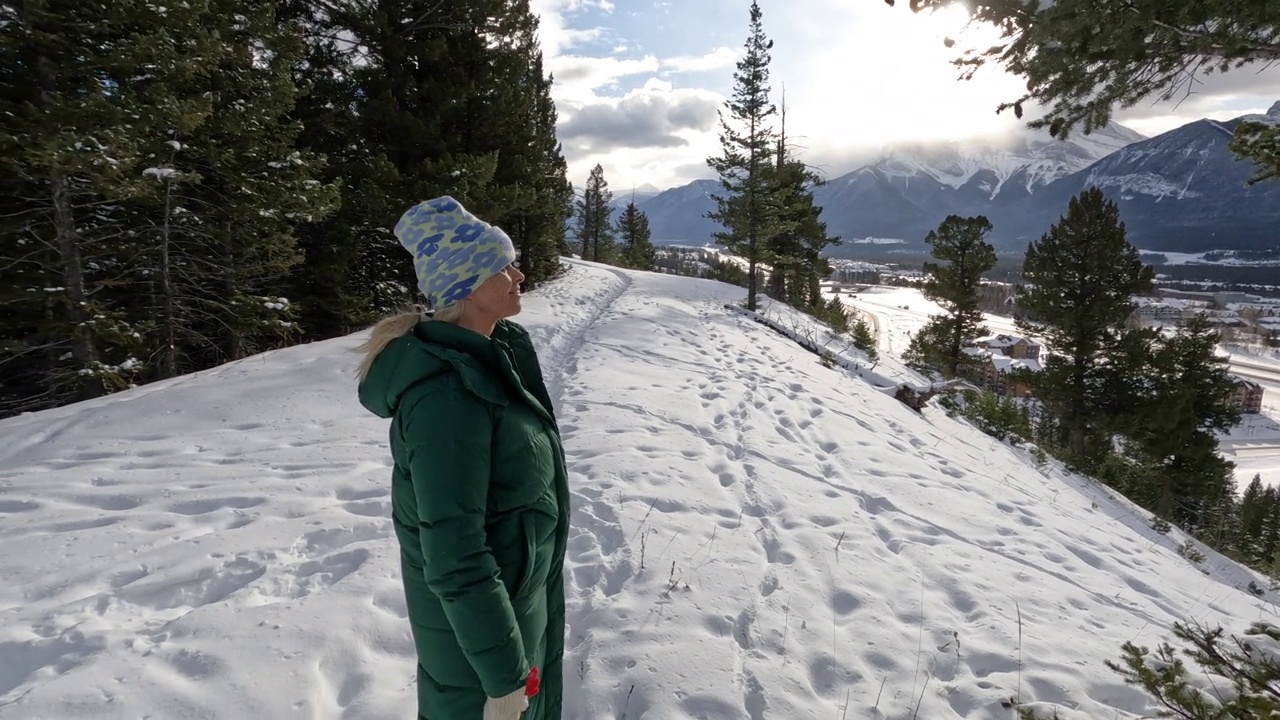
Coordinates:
656 134
714 60
655 116
858 76
554 34
1221 96
577 78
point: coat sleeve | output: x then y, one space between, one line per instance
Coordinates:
553 665
448 441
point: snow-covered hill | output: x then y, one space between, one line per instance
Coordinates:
754 536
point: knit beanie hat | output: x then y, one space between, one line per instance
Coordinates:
454 252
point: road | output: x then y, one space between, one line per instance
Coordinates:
1256 371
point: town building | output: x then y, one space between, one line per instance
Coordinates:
1246 396
999 360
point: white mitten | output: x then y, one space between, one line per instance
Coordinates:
508 707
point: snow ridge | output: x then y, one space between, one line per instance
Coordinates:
754 535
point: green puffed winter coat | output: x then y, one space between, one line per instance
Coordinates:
480 504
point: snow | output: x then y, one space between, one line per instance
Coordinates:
1142 184
160 173
754 536
1221 257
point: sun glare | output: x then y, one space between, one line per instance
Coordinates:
883 75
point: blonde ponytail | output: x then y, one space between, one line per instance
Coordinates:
396 326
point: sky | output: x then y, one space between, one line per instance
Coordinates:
639 83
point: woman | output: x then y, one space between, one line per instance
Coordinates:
479 489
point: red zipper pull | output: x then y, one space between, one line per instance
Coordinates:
531 686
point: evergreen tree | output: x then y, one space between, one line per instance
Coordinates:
795 253
255 185
167 200
637 245
864 340
595 224
326 285
750 209
1081 277
1269 540
533 198
1174 425
1259 142
67 152
1134 49
411 102
1221 526
168 242
940 345
1254 507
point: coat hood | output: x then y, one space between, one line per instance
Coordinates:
429 350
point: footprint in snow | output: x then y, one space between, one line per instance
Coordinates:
206 506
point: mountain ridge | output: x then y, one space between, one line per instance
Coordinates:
1181 190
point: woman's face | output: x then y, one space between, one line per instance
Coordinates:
499 296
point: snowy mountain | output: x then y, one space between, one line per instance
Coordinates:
754 536
899 194
1019 164
679 214
623 196
1181 191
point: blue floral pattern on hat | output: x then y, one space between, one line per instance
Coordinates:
454 252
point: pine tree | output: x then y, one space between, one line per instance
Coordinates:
795 253
956 286
1135 50
637 245
532 198
1081 277
595 225
169 244
176 211
864 340
326 285
1259 142
404 115
66 152
255 187
1253 515
751 207
1174 425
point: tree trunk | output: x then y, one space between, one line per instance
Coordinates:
235 337
168 364
778 283
1079 407
1077 438
954 351
83 348
1164 507
66 240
